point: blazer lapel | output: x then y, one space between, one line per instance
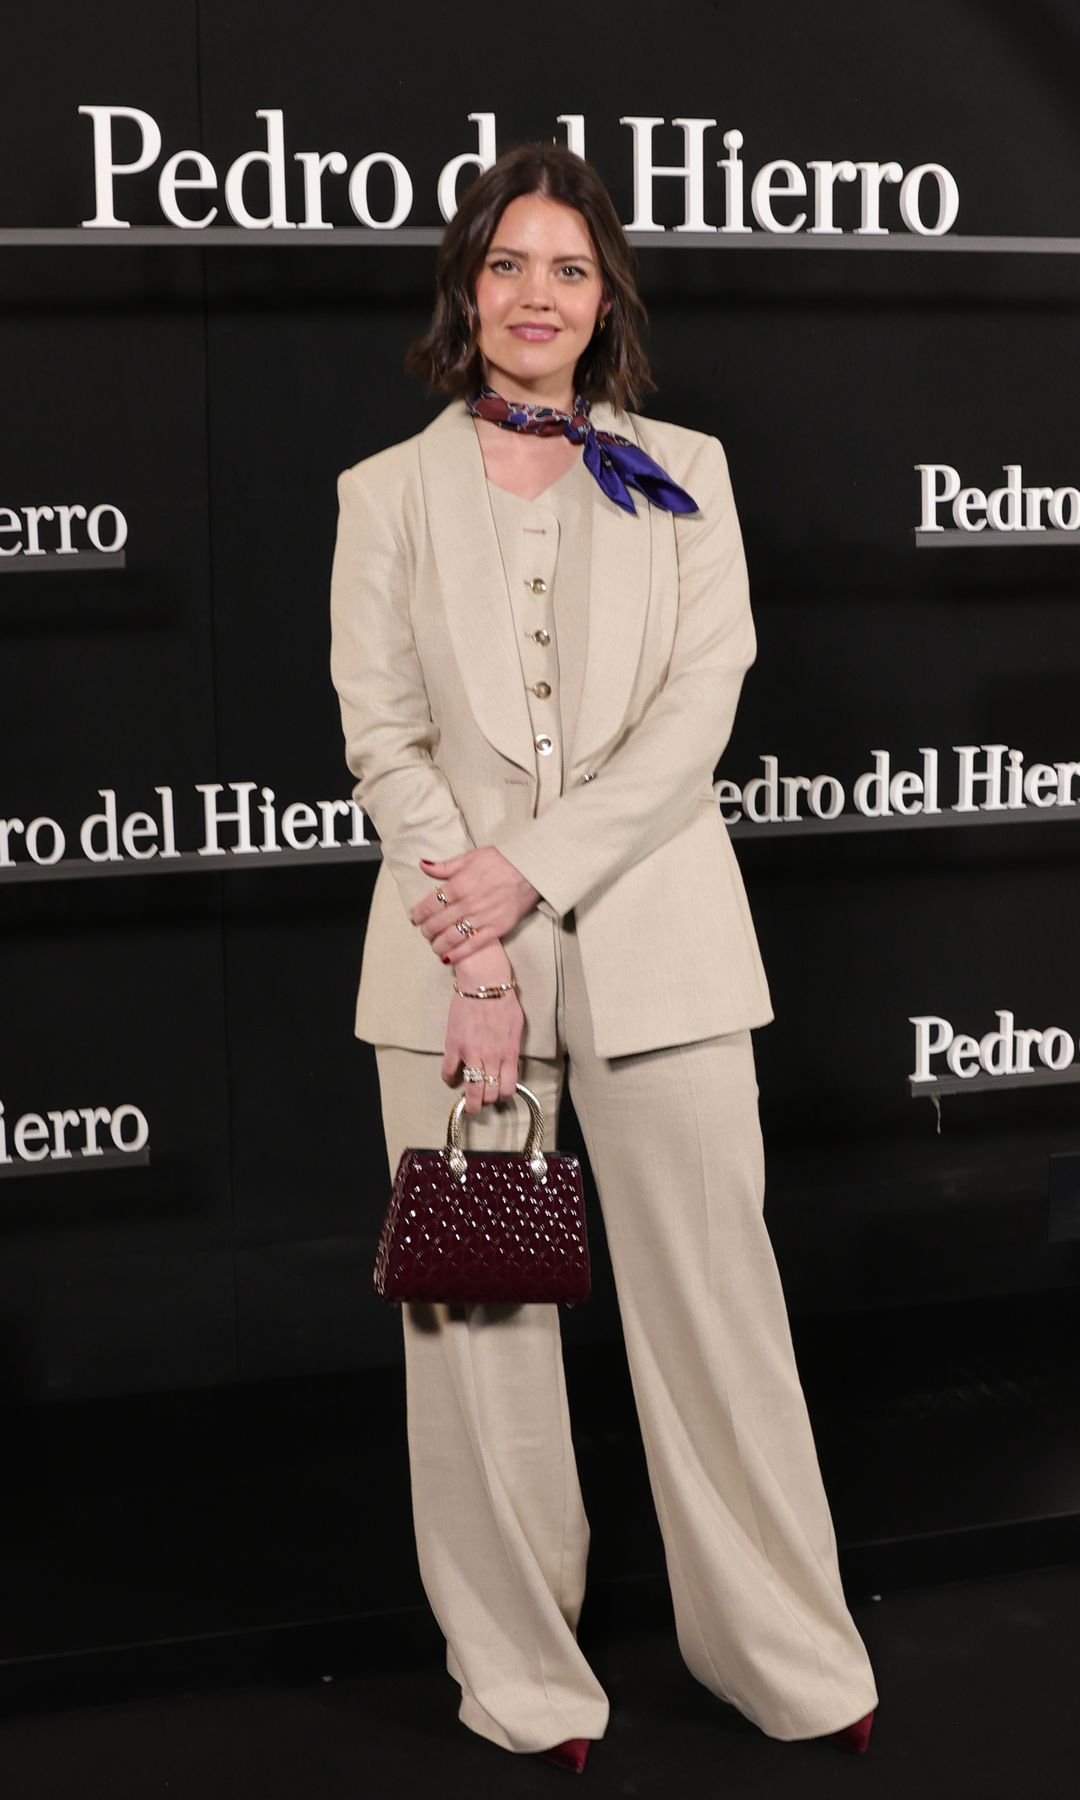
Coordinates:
620 567
473 581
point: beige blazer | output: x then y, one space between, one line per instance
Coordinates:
438 735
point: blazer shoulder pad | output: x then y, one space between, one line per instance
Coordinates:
385 472
677 448
681 440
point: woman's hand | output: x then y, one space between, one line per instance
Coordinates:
481 886
484 1033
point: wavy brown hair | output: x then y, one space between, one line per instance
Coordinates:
614 366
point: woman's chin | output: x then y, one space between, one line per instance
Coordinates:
523 361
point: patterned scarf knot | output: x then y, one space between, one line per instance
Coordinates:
615 462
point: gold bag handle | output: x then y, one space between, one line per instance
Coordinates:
534 1140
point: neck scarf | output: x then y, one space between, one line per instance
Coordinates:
615 462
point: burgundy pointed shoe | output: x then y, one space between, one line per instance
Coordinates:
570 1755
856 1736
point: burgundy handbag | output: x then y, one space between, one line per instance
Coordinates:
496 1225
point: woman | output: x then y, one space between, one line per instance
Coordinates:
539 638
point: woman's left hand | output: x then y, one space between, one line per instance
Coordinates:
481 886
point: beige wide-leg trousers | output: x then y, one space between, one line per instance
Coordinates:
502 1537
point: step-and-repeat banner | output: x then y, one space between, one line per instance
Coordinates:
217 236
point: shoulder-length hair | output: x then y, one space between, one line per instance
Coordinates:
614 366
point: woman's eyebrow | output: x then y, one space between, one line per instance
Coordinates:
569 256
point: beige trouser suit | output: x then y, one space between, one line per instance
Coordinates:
675 1149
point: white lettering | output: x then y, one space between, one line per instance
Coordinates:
170 179
214 816
826 797
313 166
971 777
765 189
33 835
932 1036
105 165
31 1126
734 209
1064 508
481 159
826 174
107 818
293 819
872 174
403 191
273 160
1056 1049
932 495
1005 1051
116 1129
691 172
910 199
962 1056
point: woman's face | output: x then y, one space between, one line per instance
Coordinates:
539 297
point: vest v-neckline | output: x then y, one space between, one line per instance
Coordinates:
532 499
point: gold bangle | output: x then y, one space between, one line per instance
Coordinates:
485 991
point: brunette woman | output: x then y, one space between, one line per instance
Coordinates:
541 626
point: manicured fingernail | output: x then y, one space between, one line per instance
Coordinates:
446 959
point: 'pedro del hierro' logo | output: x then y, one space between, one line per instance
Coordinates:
70 1137
962 517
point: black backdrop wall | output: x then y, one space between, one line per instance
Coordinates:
210 389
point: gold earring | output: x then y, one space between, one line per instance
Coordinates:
603 323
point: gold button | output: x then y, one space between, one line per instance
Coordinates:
541 689
542 636
544 744
537 586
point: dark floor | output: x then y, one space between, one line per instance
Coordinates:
978 1680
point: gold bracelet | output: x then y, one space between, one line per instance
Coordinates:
485 991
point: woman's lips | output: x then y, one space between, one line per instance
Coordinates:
534 334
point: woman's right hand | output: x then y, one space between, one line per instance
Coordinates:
484 1033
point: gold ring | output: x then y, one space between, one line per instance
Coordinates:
471 1074
443 899
466 929
491 1081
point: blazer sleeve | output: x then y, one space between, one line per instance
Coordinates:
385 710
648 788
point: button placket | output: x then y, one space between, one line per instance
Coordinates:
539 548
530 538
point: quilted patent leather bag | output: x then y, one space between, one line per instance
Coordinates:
485 1225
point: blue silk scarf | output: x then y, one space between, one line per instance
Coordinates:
615 462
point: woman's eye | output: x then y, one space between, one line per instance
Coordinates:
574 268
502 262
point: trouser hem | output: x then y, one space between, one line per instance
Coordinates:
789 1729
590 1723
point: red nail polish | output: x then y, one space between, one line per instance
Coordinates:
446 959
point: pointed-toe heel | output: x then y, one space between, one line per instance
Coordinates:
570 1755
856 1736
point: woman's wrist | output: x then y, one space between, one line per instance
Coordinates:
483 967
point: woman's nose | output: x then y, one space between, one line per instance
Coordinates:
537 292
